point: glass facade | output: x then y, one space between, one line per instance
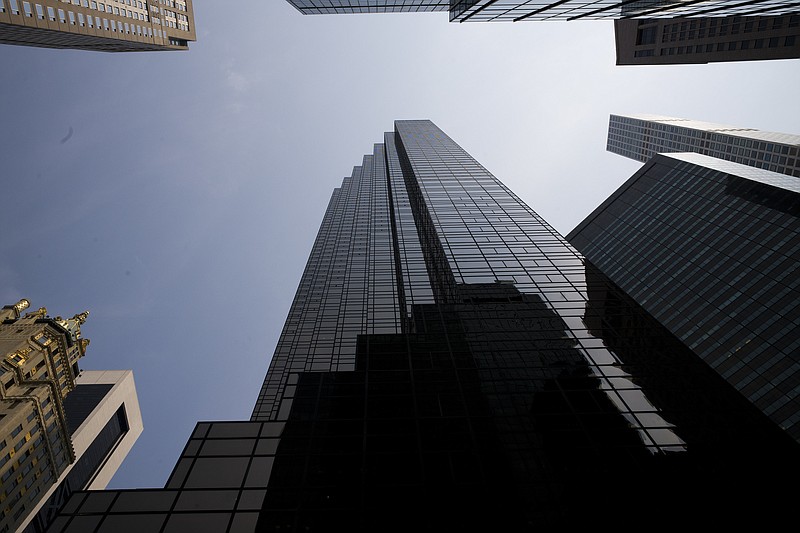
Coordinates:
710 248
323 7
515 10
451 363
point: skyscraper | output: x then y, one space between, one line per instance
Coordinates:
450 362
670 41
62 429
640 137
647 32
711 249
105 26
516 10
38 369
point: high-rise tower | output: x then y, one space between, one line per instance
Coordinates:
697 40
104 26
515 10
38 370
640 137
450 362
61 429
711 249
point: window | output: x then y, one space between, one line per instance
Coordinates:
40 14
61 16
14 7
27 7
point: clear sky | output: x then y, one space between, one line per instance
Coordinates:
176 195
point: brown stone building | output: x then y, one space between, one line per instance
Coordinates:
100 25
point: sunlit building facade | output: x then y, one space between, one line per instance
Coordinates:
38 370
104 421
451 363
104 26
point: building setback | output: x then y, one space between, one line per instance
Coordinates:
105 26
698 40
451 363
640 137
711 249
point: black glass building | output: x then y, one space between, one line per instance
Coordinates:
451 363
711 249
516 10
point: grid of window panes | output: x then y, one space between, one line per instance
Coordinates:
218 485
714 257
489 235
642 138
411 261
487 10
483 10
319 7
97 24
36 374
705 39
348 287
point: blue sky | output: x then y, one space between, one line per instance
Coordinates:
181 209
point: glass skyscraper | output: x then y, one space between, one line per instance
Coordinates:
451 363
515 10
711 249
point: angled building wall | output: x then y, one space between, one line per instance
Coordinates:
710 248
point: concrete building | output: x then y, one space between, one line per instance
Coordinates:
104 421
105 26
640 137
451 363
62 429
698 40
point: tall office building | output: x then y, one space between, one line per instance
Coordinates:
451 363
647 32
105 26
516 10
38 369
697 40
62 429
711 249
640 137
